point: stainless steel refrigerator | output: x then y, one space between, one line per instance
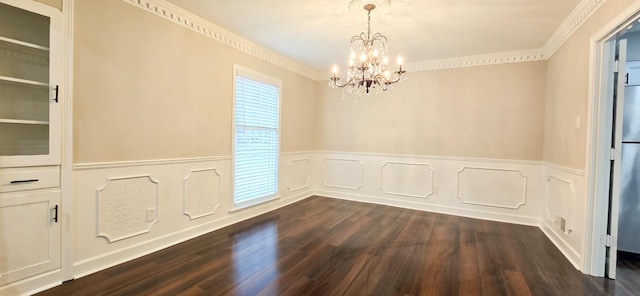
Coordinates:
629 214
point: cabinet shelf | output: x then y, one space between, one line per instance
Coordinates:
23 81
20 121
27 44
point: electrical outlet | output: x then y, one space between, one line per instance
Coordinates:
151 214
435 189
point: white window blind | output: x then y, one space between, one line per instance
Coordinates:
255 173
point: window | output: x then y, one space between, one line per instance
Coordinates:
256 137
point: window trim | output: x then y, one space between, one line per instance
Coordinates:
264 78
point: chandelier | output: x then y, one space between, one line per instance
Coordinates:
368 64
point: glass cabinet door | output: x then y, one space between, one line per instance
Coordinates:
25 92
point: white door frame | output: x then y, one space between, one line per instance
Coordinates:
599 129
67 144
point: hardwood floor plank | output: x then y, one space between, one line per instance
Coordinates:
323 246
469 282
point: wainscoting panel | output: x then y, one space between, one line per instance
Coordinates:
565 198
479 188
560 197
511 191
298 172
503 188
163 203
201 193
342 173
127 207
407 179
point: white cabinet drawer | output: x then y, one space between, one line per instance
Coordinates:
18 179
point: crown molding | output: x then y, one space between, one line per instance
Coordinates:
470 61
477 60
583 11
193 22
579 15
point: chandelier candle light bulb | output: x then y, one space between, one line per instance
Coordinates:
369 74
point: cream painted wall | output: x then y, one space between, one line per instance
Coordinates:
568 88
146 88
483 112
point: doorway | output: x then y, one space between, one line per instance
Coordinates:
614 184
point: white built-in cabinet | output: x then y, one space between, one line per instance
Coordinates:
30 139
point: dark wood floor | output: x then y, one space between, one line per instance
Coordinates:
323 246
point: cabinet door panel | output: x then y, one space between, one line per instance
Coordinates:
30 96
29 236
23 25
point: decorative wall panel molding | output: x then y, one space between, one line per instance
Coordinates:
201 194
407 179
189 20
299 174
582 12
342 173
560 195
127 206
503 188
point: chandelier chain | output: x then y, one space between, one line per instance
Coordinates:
369 24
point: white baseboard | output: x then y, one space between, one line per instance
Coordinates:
33 284
469 213
104 261
572 255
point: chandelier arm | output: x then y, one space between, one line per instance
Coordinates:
336 79
361 37
398 78
379 36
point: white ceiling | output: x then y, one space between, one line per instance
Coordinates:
316 33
